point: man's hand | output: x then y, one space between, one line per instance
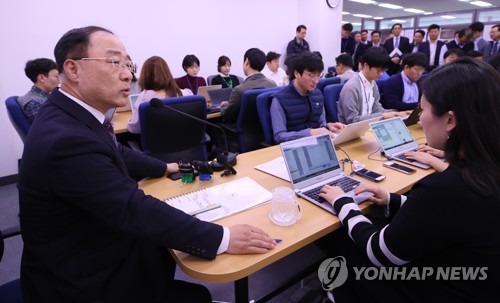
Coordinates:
321 130
172 168
247 239
335 127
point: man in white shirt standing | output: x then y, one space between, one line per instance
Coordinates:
433 48
273 71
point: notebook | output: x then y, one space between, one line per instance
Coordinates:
219 95
203 90
353 131
414 117
395 140
311 163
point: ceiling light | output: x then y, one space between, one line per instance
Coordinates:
345 13
378 18
362 16
414 10
391 6
428 13
481 3
344 22
356 23
398 20
364 1
448 17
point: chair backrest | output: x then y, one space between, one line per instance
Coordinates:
248 126
332 94
380 84
210 78
322 83
240 79
263 109
171 136
17 117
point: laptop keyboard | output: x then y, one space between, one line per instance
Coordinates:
402 157
347 184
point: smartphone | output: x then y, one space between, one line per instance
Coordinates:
368 174
399 167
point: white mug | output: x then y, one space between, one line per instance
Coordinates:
285 209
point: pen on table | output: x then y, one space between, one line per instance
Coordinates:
277 240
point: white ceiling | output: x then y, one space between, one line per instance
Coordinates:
435 6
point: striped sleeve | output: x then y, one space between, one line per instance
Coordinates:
365 234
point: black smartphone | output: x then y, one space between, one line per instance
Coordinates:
368 174
175 176
401 168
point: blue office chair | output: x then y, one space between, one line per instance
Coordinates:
332 94
170 136
210 78
10 291
246 134
322 83
263 109
380 84
17 117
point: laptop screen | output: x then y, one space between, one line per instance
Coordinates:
310 157
219 95
391 133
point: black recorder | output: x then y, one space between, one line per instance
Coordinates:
399 167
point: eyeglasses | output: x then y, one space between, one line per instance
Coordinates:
314 76
117 63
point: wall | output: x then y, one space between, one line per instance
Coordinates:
29 29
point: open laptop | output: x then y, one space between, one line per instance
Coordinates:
130 105
353 131
203 90
311 163
396 140
414 117
217 96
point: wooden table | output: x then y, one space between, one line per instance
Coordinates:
120 120
314 224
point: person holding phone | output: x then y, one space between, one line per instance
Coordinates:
447 220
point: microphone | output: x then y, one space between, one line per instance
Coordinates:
225 160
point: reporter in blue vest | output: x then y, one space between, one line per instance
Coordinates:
297 111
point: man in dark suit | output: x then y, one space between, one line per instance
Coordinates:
433 48
299 43
376 40
462 40
418 37
401 90
346 40
396 42
90 234
359 48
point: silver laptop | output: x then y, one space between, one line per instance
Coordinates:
203 90
311 163
219 95
353 131
396 140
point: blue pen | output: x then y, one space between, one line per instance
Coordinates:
278 240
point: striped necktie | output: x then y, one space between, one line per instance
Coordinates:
111 131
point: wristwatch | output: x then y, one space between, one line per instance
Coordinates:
332 3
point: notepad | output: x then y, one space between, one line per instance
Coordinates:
275 167
222 200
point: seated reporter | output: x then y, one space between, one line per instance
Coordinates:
448 220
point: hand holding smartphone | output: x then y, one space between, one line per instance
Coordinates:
399 167
368 174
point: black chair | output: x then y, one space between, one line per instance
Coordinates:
246 135
17 117
332 94
10 291
322 83
170 136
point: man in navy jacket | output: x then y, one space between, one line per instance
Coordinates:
399 42
401 90
90 234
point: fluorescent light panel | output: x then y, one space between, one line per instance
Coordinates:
378 18
428 13
398 20
414 10
345 13
448 17
480 3
391 6
363 1
362 16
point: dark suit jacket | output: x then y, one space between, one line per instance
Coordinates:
425 47
370 44
357 55
90 235
467 46
393 94
347 45
404 47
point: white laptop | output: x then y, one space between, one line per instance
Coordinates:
353 131
396 140
311 163
130 105
203 90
